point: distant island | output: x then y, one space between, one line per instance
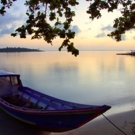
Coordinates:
18 49
132 53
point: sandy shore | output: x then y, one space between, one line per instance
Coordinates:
99 126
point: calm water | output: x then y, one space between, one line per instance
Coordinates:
93 77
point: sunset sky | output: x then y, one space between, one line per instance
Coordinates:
90 35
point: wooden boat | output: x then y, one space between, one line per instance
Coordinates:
41 110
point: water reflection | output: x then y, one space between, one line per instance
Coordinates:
92 78
103 76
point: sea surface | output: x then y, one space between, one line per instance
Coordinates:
93 77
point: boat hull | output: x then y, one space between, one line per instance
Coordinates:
53 121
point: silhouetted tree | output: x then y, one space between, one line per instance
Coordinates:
38 17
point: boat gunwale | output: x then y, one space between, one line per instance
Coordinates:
51 112
68 103
5 73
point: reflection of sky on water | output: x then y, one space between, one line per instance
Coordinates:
93 77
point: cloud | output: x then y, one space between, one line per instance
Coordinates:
88 22
108 28
7 19
7 30
134 37
105 28
101 35
76 29
73 28
9 23
123 37
16 7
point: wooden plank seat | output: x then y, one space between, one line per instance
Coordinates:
47 103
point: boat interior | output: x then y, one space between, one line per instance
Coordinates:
15 94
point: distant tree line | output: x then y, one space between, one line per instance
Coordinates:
18 49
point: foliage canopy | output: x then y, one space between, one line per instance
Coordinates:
41 12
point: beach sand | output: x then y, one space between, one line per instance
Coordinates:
99 126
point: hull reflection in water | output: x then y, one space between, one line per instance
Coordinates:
40 110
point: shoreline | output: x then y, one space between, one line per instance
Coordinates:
100 126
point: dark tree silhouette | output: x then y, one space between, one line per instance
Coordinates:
41 12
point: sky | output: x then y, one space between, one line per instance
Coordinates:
90 35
